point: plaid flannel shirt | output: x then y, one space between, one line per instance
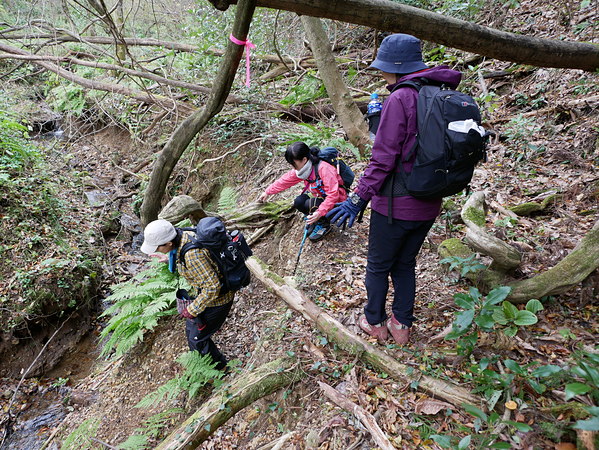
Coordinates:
202 273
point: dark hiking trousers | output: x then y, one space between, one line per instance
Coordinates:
200 329
306 204
392 250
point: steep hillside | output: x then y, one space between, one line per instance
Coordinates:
540 379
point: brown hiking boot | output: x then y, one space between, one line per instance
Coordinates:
399 331
378 331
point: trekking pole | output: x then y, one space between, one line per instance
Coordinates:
301 248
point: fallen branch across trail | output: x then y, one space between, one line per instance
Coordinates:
365 417
348 341
231 398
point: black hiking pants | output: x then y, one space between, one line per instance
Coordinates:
199 331
306 204
392 250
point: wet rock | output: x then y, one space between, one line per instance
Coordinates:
97 198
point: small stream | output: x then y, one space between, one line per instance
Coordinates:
42 404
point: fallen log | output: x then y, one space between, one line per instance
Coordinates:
230 399
569 272
505 257
386 15
350 342
485 279
144 97
365 417
114 67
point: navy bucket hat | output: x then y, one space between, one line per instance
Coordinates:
399 53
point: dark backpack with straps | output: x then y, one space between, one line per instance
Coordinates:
228 251
331 155
450 143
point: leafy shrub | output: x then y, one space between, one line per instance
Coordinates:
16 151
483 313
139 304
311 88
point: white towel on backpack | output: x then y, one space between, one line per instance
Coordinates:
464 126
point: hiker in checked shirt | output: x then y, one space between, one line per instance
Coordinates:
206 313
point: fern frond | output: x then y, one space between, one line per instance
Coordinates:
167 391
135 442
138 304
227 201
80 438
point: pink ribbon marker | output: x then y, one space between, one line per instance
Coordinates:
248 45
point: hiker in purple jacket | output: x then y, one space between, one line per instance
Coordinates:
398 225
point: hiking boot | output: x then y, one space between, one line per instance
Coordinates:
378 331
399 331
320 230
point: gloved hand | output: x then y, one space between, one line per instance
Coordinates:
185 314
347 211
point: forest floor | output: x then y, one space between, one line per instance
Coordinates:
549 143
331 273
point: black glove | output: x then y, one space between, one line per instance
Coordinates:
347 211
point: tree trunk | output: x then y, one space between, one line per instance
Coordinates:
352 343
387 15
230 399
566 274
186 131
349 115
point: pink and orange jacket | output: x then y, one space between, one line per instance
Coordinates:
328 186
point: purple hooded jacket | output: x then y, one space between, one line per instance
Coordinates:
395 138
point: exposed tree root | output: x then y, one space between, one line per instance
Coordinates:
569 272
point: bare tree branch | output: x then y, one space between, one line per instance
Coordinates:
396 17
159 100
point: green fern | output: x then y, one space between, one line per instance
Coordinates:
138 306
79 439
199 371
227 201
150 430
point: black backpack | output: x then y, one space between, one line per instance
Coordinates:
228 251
445 158
331 156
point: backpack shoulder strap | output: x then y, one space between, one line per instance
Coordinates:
415 83
188 246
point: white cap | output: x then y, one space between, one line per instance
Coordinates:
157 233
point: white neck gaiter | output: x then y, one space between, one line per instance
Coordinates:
304 172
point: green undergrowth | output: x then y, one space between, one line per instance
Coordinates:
49 264
137 306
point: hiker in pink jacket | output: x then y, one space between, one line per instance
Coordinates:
323 187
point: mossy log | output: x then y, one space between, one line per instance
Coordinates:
484 279
256 215
569 272
505 257
350 342
529 208
253 215
231 398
